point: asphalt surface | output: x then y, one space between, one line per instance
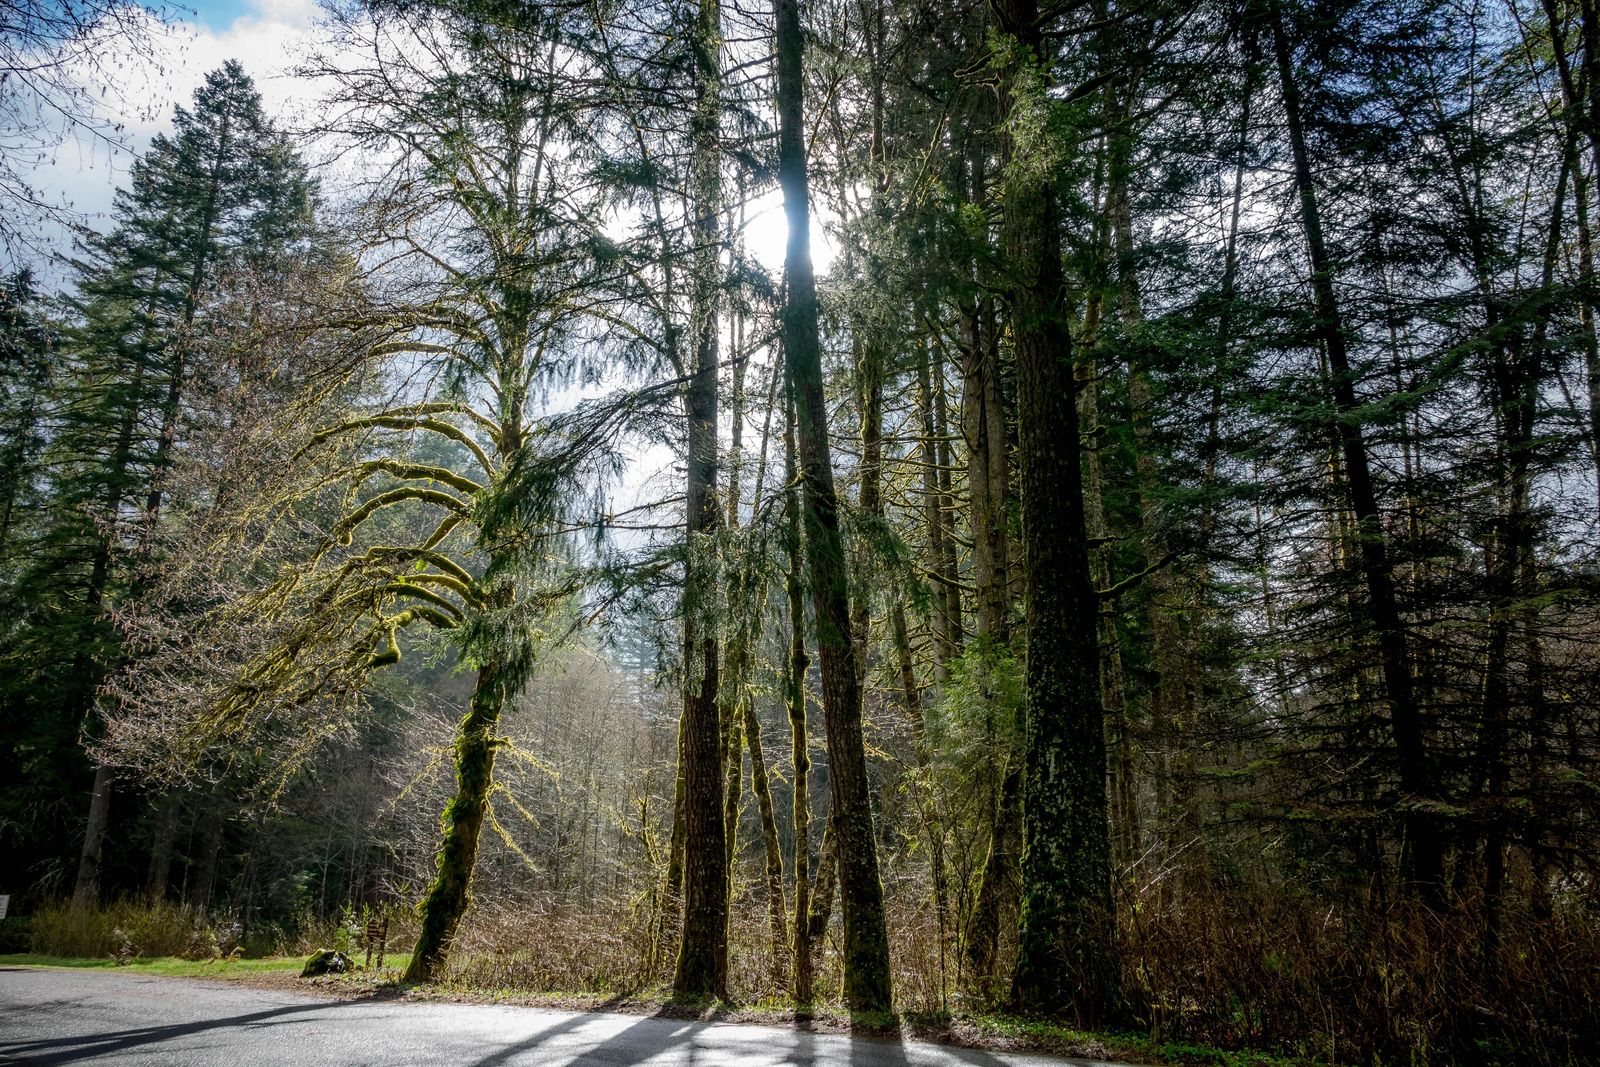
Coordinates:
61 1016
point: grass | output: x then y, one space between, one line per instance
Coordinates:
173 967
170 966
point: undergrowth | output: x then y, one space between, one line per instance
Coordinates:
1224 976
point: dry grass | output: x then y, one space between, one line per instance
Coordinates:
128 930
1277 970
1271 970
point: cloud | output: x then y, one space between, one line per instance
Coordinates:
288 12
267 39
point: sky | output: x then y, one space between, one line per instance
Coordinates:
265 35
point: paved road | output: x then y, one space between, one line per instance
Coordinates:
49 1016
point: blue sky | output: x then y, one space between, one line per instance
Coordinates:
220 15
217 14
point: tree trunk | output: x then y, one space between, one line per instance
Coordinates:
1167 714
670 916
869 375
998 890
733 766
983 427
450 894
1588 321
87 888
776 906
1512 578
947 510
161 849
1113 683
867 984
703 955
942 626
826 882
204 866
86 891
1064 961
88 674
1579 114
795 700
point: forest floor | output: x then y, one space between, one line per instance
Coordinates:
972 1030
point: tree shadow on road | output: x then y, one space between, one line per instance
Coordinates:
678 1036
72 1049
880 1042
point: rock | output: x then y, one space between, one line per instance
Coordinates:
326 962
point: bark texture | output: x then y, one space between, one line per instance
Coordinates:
866 939
703 953
450 894
1064 961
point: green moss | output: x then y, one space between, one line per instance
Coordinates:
450 893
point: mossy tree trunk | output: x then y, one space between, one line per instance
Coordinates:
761 787
949 572
866 949
450 894
999 888
733 769
702 967
799 741
1065 963
939 620
983 426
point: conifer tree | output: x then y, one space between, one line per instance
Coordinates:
26 382
867 976
221 192
703 957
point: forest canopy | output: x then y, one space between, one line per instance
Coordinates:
1124 550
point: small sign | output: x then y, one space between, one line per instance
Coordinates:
5 902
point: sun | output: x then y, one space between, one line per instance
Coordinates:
766 234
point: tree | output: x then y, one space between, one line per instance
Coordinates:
57 65
867 984
703 958
1064 961
1425 842
27 362
499 313
223 192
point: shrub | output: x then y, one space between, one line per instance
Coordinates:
125 930
16 934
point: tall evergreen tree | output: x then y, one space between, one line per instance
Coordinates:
1064 957
867 976
27 381
223 191
703 958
